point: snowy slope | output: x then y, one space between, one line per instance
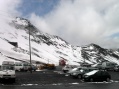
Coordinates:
46 48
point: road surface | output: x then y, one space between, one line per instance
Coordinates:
53 79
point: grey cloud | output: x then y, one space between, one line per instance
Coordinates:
82 21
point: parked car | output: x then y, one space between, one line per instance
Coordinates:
116 68
32 68
48 66
97 75
80 71
74 69
22 66
67 68
7 72
106 65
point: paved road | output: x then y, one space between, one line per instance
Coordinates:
56 80
66 86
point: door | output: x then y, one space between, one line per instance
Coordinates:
98 76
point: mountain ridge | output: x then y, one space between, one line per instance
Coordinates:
48 48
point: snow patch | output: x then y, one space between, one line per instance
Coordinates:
29 84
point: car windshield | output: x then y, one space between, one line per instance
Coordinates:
74 69
7 67
92 72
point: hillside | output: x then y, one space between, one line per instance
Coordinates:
46 48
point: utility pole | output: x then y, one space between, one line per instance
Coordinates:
30 49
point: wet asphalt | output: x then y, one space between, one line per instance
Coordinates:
55 79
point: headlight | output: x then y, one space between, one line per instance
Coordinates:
86 76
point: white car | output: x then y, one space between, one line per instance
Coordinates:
7 72
67 68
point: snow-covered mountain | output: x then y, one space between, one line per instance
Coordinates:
46 48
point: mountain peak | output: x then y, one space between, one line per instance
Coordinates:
46 48
21 21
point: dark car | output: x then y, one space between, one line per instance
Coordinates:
32 67
97 75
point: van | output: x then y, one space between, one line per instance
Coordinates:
7 63
7 71
106 65
22 66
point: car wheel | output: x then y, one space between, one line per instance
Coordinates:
107 79
91 79
79 76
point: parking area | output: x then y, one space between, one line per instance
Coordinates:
44 77
50 77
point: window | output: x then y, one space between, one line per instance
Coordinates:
99 73
18 64
7 68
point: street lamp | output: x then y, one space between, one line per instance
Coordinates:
30 49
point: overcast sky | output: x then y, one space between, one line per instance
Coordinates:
79 22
